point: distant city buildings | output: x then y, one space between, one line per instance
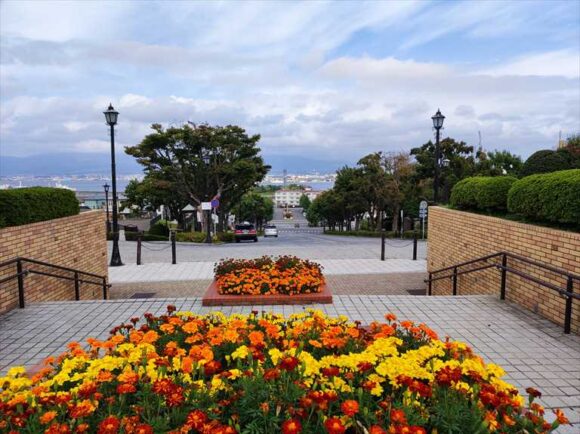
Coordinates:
291 198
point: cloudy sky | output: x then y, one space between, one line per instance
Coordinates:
326 80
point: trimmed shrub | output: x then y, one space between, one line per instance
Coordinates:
484 193
191 237
160 229
226 237
545 161
132 236
22 206
551 197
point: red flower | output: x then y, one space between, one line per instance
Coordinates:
334 425
175 397
196 419
375 429
289 363
271 374
292 426
447 375
349 407
143 429
398 416
364 366
332 371
212 367
109 425
533 392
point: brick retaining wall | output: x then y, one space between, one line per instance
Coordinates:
77 242
457 236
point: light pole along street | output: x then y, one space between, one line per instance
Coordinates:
437 124
207 161
106 187
111 117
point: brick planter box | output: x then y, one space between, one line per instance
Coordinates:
213 298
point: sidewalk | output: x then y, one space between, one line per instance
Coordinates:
164 272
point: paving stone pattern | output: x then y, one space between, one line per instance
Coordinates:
163 272
371 284
533 351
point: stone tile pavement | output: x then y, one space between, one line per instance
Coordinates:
163 272
362 284
533 351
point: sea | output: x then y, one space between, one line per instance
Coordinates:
96 184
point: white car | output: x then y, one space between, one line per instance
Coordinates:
270 231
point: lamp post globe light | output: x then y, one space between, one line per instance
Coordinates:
111 117
438 119
106 187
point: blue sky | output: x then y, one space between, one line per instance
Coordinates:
326 80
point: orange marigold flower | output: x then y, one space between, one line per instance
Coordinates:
109 425
125 388
291 426
83 427
398 416
334 425
349 407
508 420
143 428
289 363
560 417
533 392
57 428
196 419
375 429
391 317
47 417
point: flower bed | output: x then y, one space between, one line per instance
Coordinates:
285 275
308 373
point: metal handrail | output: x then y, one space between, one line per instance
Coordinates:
22 273
567 293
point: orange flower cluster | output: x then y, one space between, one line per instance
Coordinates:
264 276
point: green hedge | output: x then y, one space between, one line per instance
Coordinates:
191 237
132 236
21 206
486 193
160 228
375 234
551 197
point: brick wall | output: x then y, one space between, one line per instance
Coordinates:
76 242
457 236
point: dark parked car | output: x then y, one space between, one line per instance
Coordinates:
245 231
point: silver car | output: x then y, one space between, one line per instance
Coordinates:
270 231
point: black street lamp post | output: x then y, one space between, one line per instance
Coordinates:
111 117
207 161
106 187
437 124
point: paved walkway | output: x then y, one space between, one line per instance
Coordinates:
163 272
362 284
533 351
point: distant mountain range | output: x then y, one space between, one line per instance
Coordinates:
86 163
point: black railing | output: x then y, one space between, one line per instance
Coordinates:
493 261
26 266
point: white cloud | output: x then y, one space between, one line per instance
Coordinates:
559 63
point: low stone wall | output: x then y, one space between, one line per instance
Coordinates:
76 242
457 236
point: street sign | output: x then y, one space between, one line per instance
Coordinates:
423 205
215 203
206 206
422 213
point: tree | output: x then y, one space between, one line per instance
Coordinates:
461 163
498 163
304 202
151 193
545 161
202 161
255 208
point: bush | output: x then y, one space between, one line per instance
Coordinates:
551 197
226 237
545 161
132 236
36 204
159 228
482 193
190 237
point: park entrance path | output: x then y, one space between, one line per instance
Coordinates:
533 351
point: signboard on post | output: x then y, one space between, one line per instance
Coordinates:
206 206
423 209
215 203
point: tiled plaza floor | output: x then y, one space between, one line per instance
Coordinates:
533 351
362 284
163 272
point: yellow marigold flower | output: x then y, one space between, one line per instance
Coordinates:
241 352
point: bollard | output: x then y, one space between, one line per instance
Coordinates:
139 240
173 252
382 244
414 245
77 287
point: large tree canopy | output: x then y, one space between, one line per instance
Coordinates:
202 161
